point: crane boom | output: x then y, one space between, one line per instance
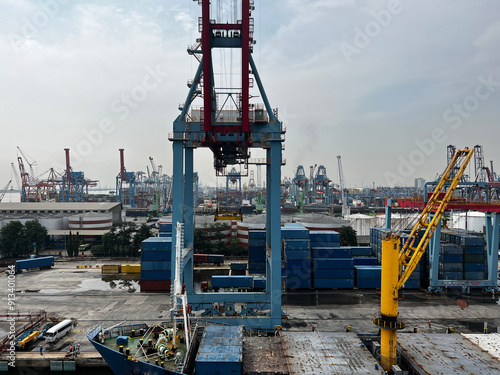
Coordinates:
431 215
345 209
393 260
2 194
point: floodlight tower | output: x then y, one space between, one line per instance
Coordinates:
229 126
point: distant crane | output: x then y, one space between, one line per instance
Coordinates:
345 207
29 190
125 177
16 176
72 183
33 163
2 194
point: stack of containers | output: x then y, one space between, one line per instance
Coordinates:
475 258
165 228
257 251
333 273
220 351
297 255
361 251
368 277
376 237
451 259
156 264
333 264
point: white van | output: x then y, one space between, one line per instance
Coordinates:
58 331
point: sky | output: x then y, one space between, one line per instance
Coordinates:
385 84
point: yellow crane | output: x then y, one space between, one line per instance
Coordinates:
397 266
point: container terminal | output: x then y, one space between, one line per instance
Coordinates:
414 292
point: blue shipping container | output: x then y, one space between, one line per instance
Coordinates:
412 284
256 234
155 275
238 266
451 258
368 272
474 267
334 283
365 261
257 242
157 244
298 274
319 244
165 227
156 266
361 251
259 282
331 252
451 267
298 264
469 241
296 283
297 244
324 236
343 263
293 232
474 250
298 254
224 281
156 256
334 273
368 283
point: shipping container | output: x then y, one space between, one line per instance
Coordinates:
297 283
325 273
324 236
155 275
157 244
131 268
331 252
469 240
298 264
361 251
155 266
474 267
474 258
368 272
451 275
238 266
298 254
42 263
475 275
412 284
319 244
155 285
293 244
156 255
328 263
368 283
225 281
111 268
365 261
334 283
451 267
451 258
259 283
256 234
474 250
257 242
294 233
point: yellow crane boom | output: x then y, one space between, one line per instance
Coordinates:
393 260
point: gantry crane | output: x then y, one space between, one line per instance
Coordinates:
397 266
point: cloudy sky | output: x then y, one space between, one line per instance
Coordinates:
385 84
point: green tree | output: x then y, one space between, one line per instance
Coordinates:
348 236
35 233
142 234
13 240
73 244
201 242
98 251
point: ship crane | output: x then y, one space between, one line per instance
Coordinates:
397 266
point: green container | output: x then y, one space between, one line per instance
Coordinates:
474 258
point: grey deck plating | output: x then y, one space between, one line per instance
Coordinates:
327 353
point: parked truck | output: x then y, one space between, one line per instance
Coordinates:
41 263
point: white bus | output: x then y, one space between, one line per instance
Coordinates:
58 331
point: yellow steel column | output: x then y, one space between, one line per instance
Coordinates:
389 301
